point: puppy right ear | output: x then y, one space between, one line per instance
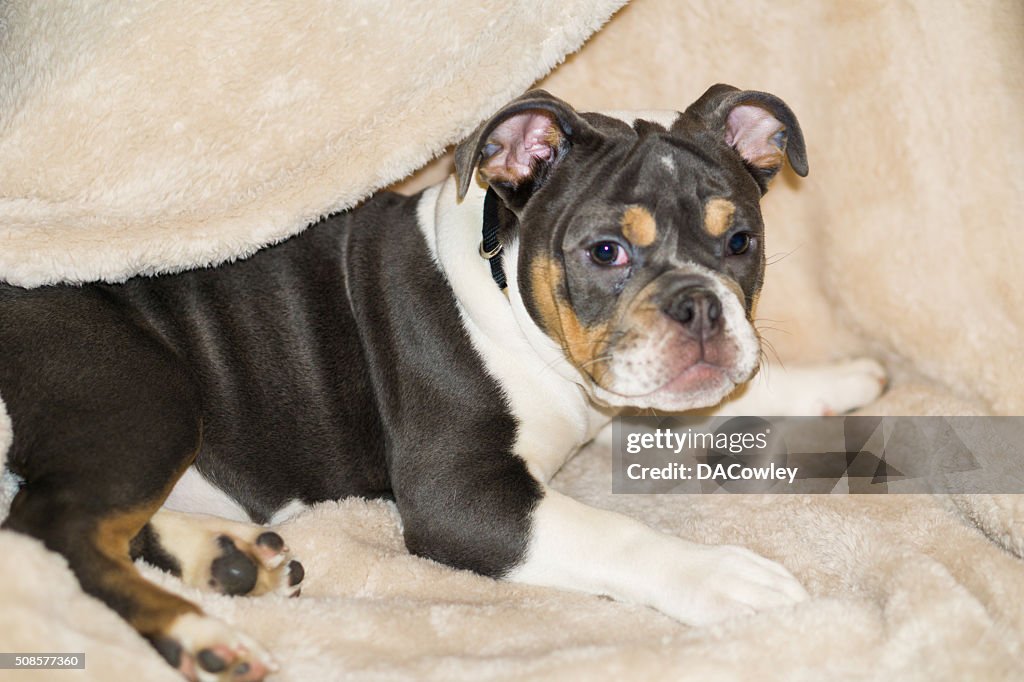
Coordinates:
759 126
517 148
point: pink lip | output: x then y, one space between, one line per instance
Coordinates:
696 376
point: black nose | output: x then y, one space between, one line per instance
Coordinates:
698 310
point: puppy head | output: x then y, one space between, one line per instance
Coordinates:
640 246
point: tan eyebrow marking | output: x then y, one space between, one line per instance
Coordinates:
718 215
638 226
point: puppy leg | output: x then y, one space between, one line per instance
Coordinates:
812 390
576 547
219 555
95 544
105 420
489 515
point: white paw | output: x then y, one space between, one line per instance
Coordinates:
227 557
724 581
213 651
253 565
823 390
851 384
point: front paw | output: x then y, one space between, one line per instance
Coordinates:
830 389
850 385
716 583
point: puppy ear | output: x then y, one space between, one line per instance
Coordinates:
517 147
758 125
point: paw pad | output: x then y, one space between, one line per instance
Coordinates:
252 568
234 572
207 650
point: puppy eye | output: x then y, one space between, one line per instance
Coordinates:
740 243
609 254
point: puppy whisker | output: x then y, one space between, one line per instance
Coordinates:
778 257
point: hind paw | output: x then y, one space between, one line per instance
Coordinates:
205 649
261 565
226 556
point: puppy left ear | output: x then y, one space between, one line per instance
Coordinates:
517 147
758 125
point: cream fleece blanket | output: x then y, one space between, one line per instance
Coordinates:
131 140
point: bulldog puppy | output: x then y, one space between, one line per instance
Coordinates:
448 350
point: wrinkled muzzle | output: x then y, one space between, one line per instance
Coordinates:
683 342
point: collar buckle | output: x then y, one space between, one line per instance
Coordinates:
490 246
488 255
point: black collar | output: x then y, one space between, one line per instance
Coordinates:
490 247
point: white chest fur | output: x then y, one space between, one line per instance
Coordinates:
545 393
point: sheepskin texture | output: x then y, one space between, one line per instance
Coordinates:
902 591
164 135
155 136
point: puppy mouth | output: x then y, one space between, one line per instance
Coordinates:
683 341
673 377
698 377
